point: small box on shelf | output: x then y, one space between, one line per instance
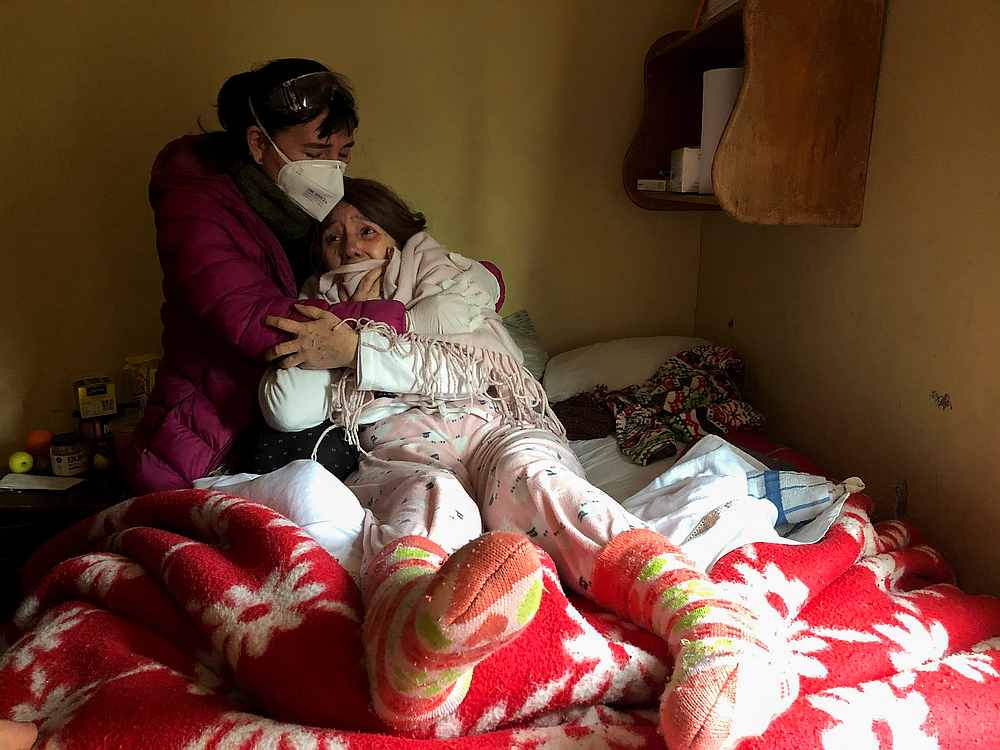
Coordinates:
651 186
685 166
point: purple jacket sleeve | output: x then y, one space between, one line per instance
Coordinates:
383 310
207 270
495 270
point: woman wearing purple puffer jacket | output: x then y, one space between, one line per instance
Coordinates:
235 214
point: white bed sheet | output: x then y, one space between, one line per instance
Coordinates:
609 470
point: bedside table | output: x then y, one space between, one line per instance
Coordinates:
28 518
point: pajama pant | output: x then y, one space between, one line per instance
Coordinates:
449 478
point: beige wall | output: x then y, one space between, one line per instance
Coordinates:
506 122
847 332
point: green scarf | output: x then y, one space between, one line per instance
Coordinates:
291 225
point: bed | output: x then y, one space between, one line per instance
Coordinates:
610 471
199 620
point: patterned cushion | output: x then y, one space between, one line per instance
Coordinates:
522 329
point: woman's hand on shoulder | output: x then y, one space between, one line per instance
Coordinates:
321 343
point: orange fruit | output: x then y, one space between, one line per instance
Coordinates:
37 442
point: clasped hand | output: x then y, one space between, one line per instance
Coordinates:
323 342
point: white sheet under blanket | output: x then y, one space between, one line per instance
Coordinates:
609 470
700 502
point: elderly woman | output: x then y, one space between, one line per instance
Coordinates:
235 215
457 436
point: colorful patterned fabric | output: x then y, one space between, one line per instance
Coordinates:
691 395
726 683
427 626
194 620
223 626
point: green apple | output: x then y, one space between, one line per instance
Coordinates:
21 462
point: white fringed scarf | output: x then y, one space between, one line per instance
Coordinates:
486 359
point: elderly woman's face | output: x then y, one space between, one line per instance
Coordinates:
299 142
349 236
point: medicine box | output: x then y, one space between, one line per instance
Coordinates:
95 397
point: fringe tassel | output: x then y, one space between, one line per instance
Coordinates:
488 374
319 441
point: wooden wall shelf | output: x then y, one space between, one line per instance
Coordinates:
795 150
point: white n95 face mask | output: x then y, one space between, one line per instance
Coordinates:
315 185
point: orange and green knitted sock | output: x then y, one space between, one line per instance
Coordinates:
428 625
726 684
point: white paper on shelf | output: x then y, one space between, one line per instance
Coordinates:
36 482
721 87
685 170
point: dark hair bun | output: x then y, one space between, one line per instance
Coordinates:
232 103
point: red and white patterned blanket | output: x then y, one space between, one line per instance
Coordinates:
201 621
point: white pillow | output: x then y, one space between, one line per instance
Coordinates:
616 364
